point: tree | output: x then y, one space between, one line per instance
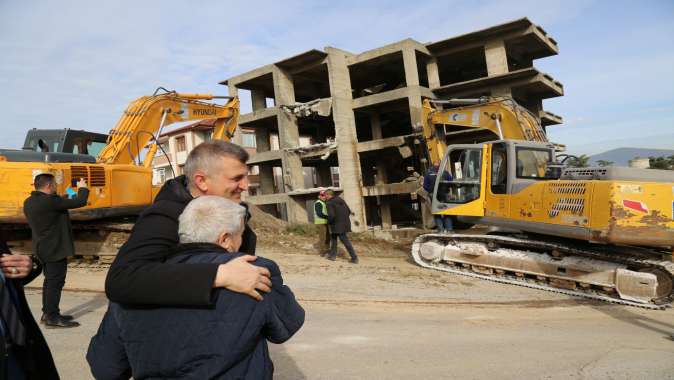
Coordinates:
581 161
604 163
665 163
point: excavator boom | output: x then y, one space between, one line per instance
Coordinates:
475 120
146 116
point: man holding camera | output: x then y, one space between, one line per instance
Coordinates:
49 221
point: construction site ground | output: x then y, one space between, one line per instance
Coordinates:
386 318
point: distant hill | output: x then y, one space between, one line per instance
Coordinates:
621 156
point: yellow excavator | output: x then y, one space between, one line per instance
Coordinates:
603 233
119 178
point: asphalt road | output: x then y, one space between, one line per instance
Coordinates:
536 339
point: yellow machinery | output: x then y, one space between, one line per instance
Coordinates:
120 178
604 233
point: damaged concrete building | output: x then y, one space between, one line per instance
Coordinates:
373 99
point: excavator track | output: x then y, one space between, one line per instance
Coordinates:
96 243
487 257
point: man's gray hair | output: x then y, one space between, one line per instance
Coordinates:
205 156
207 217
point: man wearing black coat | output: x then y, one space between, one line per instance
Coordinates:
23 355
340 224
52 237
227 340
140 274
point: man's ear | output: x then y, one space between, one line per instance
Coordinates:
225 240
199 180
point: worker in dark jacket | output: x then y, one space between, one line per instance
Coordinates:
340 224
24 353
52 236
321 221
227 340
140 276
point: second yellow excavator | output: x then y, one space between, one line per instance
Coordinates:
600 233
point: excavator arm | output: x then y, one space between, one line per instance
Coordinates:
503 117
146 116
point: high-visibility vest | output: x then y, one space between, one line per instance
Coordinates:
324 209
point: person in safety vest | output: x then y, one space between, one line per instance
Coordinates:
321 221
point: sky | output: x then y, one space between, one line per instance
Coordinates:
77 64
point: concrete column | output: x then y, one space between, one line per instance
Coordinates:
234 91
345 134
266 170
381 178
433 73
293 176
497 59
414 101
258 99
266 178
262 142
497 63
535 106
410 63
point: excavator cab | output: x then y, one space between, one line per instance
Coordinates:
459 185
57 145
469 174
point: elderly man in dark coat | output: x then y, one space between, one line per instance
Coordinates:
340 225
226 340
49 221
24 354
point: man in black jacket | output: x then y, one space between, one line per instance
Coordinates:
227 340
140 276
24 353
340 224
52 236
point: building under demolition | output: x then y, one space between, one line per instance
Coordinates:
375 97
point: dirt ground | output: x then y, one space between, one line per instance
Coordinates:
386 318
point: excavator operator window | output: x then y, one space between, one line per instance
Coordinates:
86 145
532 163
459 178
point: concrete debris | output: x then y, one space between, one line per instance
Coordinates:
315 190
324 150
373 90
320 107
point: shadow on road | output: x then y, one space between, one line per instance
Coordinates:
93 304
642 321
285 367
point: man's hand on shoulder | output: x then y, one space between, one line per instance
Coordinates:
239 275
